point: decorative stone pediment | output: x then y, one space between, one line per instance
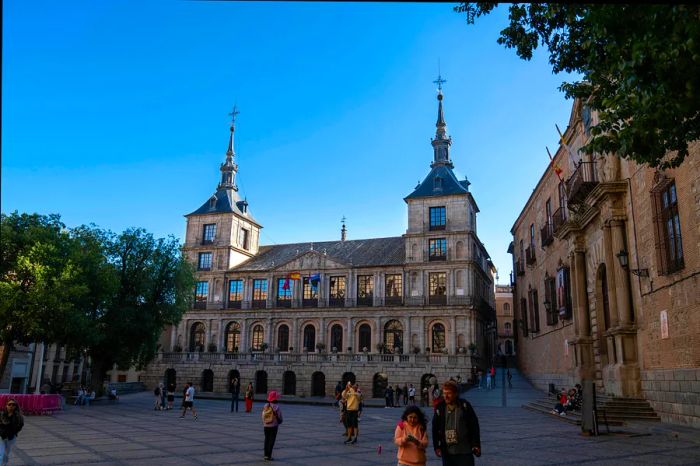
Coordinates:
311 261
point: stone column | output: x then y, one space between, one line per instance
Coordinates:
173 336
407 346
453 335
421 333
622 278
268 334
295 335
244 336
610 261
351 337
583 349
221 344
379 334
322 333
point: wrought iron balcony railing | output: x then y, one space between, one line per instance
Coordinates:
581 182
547 233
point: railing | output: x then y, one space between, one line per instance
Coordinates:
236 304
558 219
437 258
392 301
437 300
366 301
200 305
530 255
284 302
581 182
316 357
520 267
547 233
258 304
309 302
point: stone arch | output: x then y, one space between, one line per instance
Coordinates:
257 335
283 336
197 336
318 384
207 380
437 333
309 337
232 337
261 382
379 383
289 383
335 336
364 335
170 377
393 335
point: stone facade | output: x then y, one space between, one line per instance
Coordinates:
607 264
300 317
505 341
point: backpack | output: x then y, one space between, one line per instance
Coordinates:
268 414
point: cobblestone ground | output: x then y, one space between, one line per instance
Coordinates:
131 433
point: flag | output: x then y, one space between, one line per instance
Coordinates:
563 143
285 286
555 166
293 276
314 278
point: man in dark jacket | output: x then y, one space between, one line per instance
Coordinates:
455 429
235 389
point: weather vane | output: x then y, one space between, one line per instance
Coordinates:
439 81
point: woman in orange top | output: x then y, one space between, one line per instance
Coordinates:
411 437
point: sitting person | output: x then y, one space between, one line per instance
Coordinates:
79 396
560 408
578 398
89 396
113 393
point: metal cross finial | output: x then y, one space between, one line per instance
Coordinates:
233 114
343 220
439 82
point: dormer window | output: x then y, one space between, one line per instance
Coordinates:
437 183
212 202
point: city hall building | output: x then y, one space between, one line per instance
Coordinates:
300 317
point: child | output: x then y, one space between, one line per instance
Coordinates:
411 437
272 418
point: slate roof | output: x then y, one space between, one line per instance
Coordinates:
450 184
354 253
227 201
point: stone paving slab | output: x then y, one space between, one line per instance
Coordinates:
131 433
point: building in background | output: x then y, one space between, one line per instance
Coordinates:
505 343
607 276
300 317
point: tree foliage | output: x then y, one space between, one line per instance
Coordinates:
104 295
640 66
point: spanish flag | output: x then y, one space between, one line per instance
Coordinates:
557 168
290 276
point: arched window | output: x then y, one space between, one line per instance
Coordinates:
258 336
310 338
365 337
283 338
197 337
507 327
438 337
506 307
459 247
337 337
393 335
233 337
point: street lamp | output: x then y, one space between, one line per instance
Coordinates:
624 263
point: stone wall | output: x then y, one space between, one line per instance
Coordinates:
674 394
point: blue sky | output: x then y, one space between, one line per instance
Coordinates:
116 113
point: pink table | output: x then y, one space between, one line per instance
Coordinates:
34 404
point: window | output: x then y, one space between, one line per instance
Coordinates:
258 337
337 337
523 316
204 262
209 233
259 292
197 337
200 295
393 336
284 296
438 338
534 311
437 184
243 238
562 199
310 338
437 287
235 292
233 337
337 291
283 338
668 227
437 249
393 288
507 328
437 218
365 337
309 292
563 296
532 235
365 290
506 308
550 299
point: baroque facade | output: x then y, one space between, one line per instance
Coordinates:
606 258
301 317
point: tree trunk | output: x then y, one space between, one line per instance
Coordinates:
4 357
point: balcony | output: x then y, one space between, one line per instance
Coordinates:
530 255
437 300
200 305
442 257
559 219
234 304
336 302
581 182
282 302
258 304
392 301
520 267
436 227
309 302
365 301
547 234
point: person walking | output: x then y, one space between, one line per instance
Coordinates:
188 401
249 397
412 395
162 397
352 407
411 437
235 391
271 418
488 379
157 392
11 422
493 376
171 395
510 378
456 437
397 398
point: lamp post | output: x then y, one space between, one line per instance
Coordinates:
623 258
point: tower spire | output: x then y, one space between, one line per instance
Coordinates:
343 231
442 142
229 168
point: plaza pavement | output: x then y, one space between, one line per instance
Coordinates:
131 433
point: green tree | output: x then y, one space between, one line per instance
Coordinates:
154 287
640 66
